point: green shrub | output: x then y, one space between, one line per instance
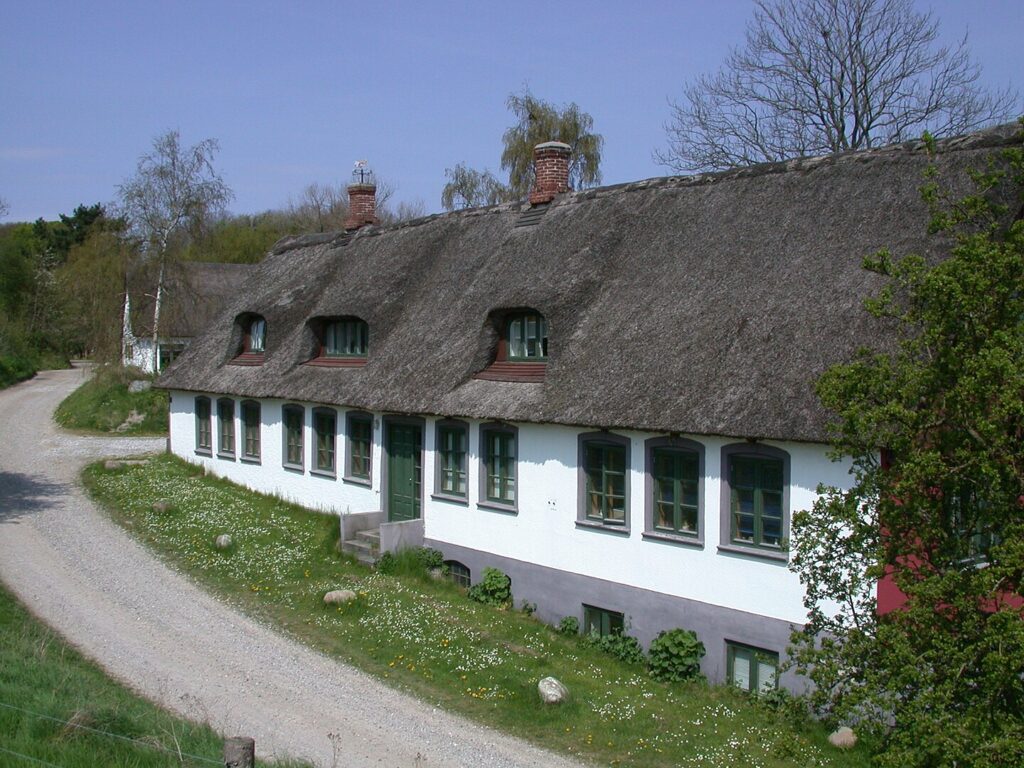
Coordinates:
623 647
495 588
412 561
569 625
675 655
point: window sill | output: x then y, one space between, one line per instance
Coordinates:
294 468
461 500
591 525
503 370
776 556
491 506
251 460
204 452
248 358
324 473
226 456
337 362
352 480
675 538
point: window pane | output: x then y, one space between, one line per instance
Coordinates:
766 674
741 668
743 514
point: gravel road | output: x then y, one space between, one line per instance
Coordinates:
156 631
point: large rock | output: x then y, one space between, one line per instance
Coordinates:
139 386
162 507
844 738
552 691
223 541
339 597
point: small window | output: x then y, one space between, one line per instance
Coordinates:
293 417
345 338
452 443
256 338
204 430
755 498
527 337
250 430
752 669
226 428
604 480
498 477
599 621
459 573
360 446
325 429
676 479
966 509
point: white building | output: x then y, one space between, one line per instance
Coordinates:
606 394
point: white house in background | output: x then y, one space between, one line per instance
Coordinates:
194 293
607 394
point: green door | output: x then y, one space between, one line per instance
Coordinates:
404 471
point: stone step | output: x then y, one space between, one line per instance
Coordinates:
371 536
358 546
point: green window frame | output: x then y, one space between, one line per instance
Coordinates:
498 475
293 418
226 428
601 621
751 669
675 490
250 430
346 338
325 431
606 467
452 460
526 337
204 428
757 501
358 465
966 509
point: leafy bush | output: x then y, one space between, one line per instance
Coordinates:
569 625
413 561
495 588
623 647
675 655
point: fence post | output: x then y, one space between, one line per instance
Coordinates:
239 752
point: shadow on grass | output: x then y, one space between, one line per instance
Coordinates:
22 495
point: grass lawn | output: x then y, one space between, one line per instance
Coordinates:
427 637
54 704
103 403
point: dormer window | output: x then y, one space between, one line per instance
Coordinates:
254 340
527 337
521 353
345 338
341 342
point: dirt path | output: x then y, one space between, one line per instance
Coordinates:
156 631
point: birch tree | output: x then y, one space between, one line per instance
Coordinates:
173 191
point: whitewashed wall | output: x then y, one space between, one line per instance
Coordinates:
544 530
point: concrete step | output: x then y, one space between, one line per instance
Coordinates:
371 536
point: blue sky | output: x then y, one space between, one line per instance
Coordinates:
297 91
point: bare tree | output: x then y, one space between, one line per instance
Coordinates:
5 208
469 188
321 207
173 191
823 76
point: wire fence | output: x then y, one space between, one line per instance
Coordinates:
176 753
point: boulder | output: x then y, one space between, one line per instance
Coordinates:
223 541
139 386
339 597
552 691
843 738
162 507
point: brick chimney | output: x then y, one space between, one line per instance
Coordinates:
551 171
362 198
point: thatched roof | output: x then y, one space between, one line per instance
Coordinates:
702 305
195 292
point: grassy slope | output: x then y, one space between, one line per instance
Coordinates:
40 673
427 637
103 403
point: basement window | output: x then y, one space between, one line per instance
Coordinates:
750 669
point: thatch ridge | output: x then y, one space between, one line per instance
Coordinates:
703 305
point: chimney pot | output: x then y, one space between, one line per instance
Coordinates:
551 171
